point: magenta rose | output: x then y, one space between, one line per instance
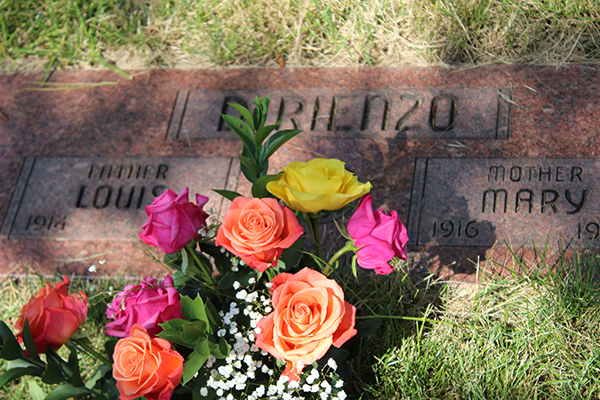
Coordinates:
173 221
148 304
380 237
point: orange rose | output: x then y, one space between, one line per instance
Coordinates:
53 316
257 231
145 366
310 314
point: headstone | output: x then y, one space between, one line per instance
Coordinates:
450 150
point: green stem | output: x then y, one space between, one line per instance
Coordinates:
207 274
92 352
348 247
312 221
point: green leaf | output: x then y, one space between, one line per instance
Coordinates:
192 334
4 331
195 361
242 130
186 307
259 188
35 391
56 370
251 165
29 343
245 113
354 266
185 260
198 311
175 324
67 391
264 131
222 350
73 362
98 374
228 194
15 373
261 110
212 313
276 141
11 349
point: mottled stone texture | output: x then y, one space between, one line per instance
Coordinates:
378 120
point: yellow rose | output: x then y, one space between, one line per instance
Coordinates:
320 184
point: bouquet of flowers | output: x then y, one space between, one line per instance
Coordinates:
245 312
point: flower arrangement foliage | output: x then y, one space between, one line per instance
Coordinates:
245 312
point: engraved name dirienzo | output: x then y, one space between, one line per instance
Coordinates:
396 112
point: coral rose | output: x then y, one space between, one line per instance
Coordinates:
173 221
258 230
320 184
380 237
310 314
53 316
149 304
145 366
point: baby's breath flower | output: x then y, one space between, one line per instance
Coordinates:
93 268
332 364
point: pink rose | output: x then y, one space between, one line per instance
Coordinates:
147 304
380 237
173 221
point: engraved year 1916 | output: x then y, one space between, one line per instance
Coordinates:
448 228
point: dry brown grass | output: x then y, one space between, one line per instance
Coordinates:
136 34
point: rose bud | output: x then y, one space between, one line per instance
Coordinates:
379 237
173 221
53 316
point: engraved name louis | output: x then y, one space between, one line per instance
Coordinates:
122 186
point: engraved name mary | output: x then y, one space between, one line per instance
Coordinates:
479 202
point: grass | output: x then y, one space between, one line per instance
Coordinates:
529 336
140 34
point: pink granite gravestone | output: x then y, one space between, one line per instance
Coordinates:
470 159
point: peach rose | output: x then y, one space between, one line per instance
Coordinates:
310 314
257 231
53 316
145 366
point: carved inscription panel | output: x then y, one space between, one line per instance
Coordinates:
104 198
481 201
476 113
